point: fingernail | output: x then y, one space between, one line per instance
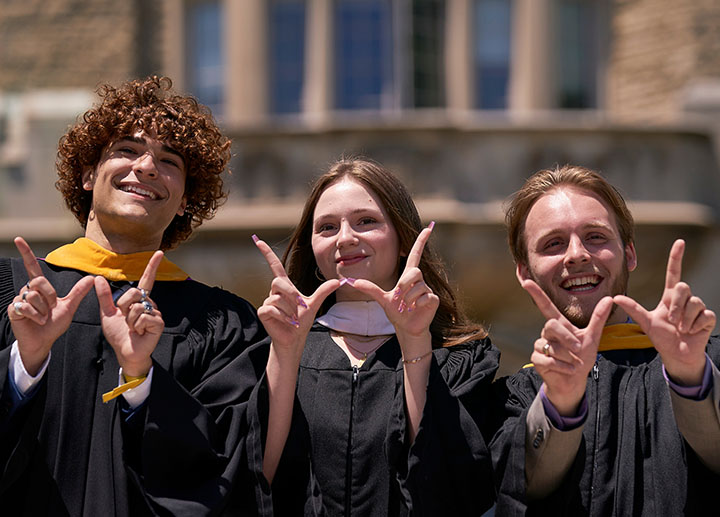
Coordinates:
396 294
350 281
301 302
343 282
401 307
294 322
255 238
431 225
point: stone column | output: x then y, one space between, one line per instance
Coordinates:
317 95
532 67
174 51
246 61
459 69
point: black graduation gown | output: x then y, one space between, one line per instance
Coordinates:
632 459
347 451
67 453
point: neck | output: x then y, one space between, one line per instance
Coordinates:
617 316
122 242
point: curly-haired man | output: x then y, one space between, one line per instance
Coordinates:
112 407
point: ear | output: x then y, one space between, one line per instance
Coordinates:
631 256
88 179
183 206
522 272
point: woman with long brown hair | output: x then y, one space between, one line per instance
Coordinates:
375 382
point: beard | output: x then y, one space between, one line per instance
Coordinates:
573 309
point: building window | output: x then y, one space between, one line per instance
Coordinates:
428 64
287 54
578 43
363 63
492 53
205 60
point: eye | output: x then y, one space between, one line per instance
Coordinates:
324 227
597 237
171 161
552 243
367 220
127 150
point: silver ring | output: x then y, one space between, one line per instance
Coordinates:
24 295
27 284
147 306
546 349
16 307
143 294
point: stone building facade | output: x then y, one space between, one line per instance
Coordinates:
469 98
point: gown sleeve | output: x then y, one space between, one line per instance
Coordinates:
187 450
447 470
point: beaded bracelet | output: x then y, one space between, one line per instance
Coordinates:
417 359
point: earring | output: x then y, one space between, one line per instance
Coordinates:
318 274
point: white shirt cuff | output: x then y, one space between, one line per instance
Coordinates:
23 380
136 396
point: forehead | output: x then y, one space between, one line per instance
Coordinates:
347 193
565 209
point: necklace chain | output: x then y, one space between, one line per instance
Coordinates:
344 337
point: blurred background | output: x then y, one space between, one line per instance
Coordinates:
463 99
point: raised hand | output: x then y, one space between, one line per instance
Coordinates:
37 316
565 354
679 327
132 326
411 305
286 313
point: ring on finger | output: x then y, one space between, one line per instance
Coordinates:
143 295
546 349
16 307
147 307
24 295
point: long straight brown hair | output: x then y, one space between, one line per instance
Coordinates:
450 326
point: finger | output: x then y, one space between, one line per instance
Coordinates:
705 322
138 318
597 321
542 301
149 324
416 252
545 364
679 296
104 296
147 280
633 309
369 288
693 310
273 261
289 310
562 338
36 300
674 265
46 290
325 289
271 312
26 311
78 292
29 260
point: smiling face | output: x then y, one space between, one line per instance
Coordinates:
575 253
353 237
138 187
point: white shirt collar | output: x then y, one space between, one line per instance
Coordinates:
362 318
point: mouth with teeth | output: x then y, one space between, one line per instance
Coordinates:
581 283
139 191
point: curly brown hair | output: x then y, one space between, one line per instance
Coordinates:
450 326
178 120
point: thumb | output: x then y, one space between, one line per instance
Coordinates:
636 311
369 288
104 296
78 292
324 290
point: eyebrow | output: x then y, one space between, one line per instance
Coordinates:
143 141
353 212
590 226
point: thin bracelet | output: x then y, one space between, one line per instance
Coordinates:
417 359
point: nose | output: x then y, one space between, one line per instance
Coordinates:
145 164
576 252
346 235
